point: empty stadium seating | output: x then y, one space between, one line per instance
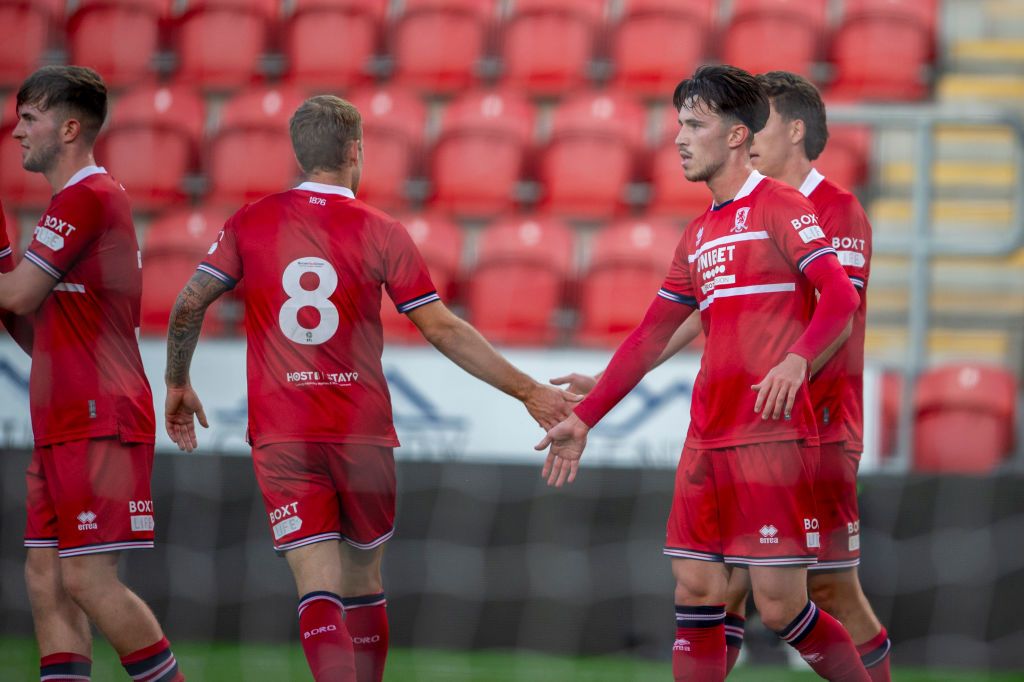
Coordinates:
251 153
628 264
547 46
394 121
964 418
439 240
206 58
25 30
116 37
437 44
845 159
329 43
769 35
480 152
590 157
152 142
519 280
657 42
901 36
173 246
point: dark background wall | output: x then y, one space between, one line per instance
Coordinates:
487 556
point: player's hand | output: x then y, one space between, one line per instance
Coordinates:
549 405
567 441
181 406
776 393
580 384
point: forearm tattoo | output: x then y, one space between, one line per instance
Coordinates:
186 323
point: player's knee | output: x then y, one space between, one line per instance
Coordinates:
86 581
696 591
42 578
824 592
776 615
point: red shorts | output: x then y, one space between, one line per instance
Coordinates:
750 505
314 492
90 496
835 494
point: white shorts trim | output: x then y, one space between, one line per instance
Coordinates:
311 540
104 547
373 543
770 561
677 553
834 565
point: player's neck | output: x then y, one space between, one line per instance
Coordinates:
340 178
795 171
729 180
67 166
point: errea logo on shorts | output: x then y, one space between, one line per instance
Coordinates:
87 521
769 534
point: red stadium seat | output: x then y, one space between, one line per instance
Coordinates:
251 154
589 160
672 195
328 43
845 159
493 127
18 187
438 43
547 46
628 265
13 225
25 30
439 240
152 142
769 35
174 244
206 58
519 280
394 120
115 37
964 418
657 42
882 49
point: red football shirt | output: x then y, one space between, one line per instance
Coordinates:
314 260
6 252
87 379
740 263
837 391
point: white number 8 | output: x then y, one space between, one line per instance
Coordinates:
327 283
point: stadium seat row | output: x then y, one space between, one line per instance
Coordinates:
879 49
585 154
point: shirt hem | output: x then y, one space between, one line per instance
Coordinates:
112 432
385 441
720 443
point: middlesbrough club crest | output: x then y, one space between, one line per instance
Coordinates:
741 220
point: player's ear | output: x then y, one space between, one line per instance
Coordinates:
354 153
797 131
70 130
739 136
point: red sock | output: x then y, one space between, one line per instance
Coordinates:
65 666
874 654
366 618
155 663
698 654
734 624
825 645
325 639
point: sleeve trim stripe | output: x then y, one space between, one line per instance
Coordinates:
813 255
6 252
858 282
678 298
418 301
43 264
219 274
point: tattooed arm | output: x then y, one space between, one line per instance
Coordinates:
182 403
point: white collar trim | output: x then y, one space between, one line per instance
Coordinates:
83 173
321 188
811 182
753 180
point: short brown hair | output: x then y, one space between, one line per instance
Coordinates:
321 129
727 91
796 98
77 90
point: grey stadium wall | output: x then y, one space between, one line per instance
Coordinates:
487 556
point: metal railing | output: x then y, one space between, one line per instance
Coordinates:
921 245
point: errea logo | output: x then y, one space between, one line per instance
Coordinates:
769 534
681 645
87 521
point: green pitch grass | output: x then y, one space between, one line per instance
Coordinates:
284 663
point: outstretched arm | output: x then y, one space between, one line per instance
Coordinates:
182 403
634 358
464 346
582 384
